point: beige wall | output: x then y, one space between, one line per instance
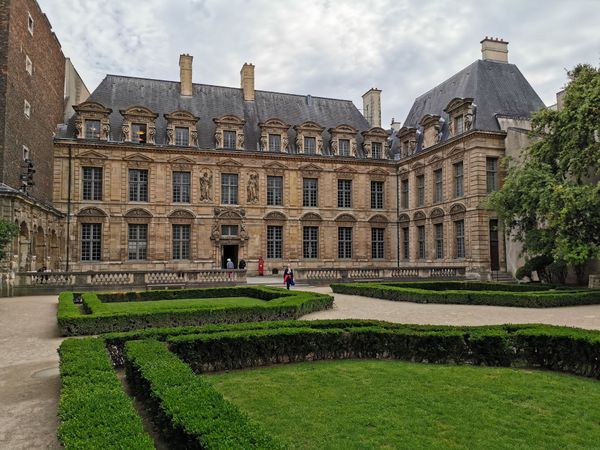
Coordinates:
76 91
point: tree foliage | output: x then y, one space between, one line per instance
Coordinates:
550 201
8 231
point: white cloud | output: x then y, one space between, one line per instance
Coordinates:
326 48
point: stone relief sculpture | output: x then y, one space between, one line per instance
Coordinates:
334 147
125 132
206 187
252 189
470 117
151 134
284 143
215 233
243 232
218 139
194 138
319 146
354 149
240 143
105 132
263 143
170 135
299 144
78 128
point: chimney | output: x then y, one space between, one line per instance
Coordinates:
372 107
247 75
185 74
494 49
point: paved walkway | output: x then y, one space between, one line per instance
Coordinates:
29 384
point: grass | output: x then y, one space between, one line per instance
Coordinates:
174 305
392 404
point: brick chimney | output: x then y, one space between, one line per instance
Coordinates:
494 49
185 74
372 107
247 75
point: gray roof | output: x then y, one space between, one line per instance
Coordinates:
497 88
209 102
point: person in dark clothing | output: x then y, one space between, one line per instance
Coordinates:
242 264
289 279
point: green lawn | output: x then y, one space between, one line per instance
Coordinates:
393 404
149 306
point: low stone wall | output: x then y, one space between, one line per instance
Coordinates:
386 273
36 283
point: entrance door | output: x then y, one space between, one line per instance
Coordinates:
229 252
494 255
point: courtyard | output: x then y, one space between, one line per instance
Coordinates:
30 337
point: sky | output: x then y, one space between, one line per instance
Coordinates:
337 49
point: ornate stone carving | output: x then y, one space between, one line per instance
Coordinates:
333 147
151 134
229 123
252 188
273 126
194 137
105 132
170 136
206 187
92 111
218 139
263 143
78 128
354 149
240 141
346 132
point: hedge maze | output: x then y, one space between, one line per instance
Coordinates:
473 293
165 368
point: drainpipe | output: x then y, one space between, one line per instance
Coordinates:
398 216
68 237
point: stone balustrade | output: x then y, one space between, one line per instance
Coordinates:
349 274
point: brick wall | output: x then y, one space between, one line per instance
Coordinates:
44 90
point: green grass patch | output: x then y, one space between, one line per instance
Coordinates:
102 313
392 404
472 293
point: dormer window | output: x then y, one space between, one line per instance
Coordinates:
344 147
182 136
138 125
461 112
92 129
138 133
343 140
375 143
309 138
458 124
274 136
229 138
310 145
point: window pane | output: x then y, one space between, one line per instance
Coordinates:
229 230
92 129
458 179
181 187
377 243
420 190
439 240
91 241
344 242
138 185
229 140
274 191
310 145
229 189
274 142
344 147
310 242
344 193
137 244
406 243
376 149
181 241
309 192
377 194
138 133
421 234
92 183
274 242
458 125
182 136
459 230
491 169
405 194
438 188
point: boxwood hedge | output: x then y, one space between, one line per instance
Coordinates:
91 318
472 293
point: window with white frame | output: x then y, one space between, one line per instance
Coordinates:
377 194
92 183
138 185
30 23
491 174
182 136
91 241
26 153
229 189
274 142
229 138
92 129
376 150
310 145
229 230
344 193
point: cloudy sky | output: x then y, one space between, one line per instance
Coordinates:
326 48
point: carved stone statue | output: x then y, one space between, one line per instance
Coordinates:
243 232
170 135
205 187
319 146
240 143
263 143
470 117
78 128
334 146
194 138
151 134
284 143
299 144
252 189
218 139
105 132
215 233
354 149
125 132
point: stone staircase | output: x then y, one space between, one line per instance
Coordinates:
502 277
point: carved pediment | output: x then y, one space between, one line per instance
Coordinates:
456 103
417 165
274 215
345 169
379 171
428 120
274 123
181 214
137 213
310 168
92 107
345 218
310 126
229 162
230 213
91 212
375 132
181 160
419 215
403 218
458 150
138 157
139 111
90 154
275 166
229 119
343 129
311 217
433 159
436 212
379 219
457 208
181 115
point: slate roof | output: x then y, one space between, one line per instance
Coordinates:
209 102
497 88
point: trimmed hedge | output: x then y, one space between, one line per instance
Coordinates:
93 318
470 293
94 411
188 410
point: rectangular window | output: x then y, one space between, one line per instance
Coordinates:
181 241
421 234
406 243
26 153
377 194
310 242
274 242
458 125
26 109
310 145
377 243
91 241
229 138
92 129
421 190
229 230
274 191
309 192
137 243
344 147
182 136
229 189
181 187
491 174
92 183
274 142
138 185
459 232
459 190
344 242
28 65
138 133
30 24
376 149
439 240
344 193
438 191
404 194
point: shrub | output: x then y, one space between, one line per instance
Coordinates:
94 411
187 409
470 293
96 316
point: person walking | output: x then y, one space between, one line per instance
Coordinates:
229 266
289 281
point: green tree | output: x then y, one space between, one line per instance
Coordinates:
550 201
8 231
